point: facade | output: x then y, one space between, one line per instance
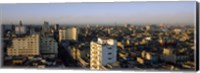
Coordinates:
48 45
167 51
56 27
45 28
20 29
62 34
140 60
68 34
24 46
102 52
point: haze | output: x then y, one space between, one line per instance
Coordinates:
100 13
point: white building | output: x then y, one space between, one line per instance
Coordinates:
48 45
25 46
102 52
20 29
68 34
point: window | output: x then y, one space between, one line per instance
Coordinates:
109 58
109 53
94 62
94 52
94 47
110 48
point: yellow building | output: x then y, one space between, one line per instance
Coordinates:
68 34
140 60
24 46
148 56
167 51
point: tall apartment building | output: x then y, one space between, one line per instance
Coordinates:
102 52
25 46
48 45
68 34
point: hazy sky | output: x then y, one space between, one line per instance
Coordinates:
102 13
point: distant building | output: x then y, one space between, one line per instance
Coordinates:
102 52
140 60
55 32
48 45
167 51
169 58
68 34
148 27
162 26
62 34
45 28
24 46
72 34
177 30
56 27
20 29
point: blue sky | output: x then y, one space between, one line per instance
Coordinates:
100 13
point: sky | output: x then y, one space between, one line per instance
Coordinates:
100 13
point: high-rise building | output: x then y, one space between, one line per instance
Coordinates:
20 29
72 34
45 28
56 27
68 34
24 46
102 52
48 45
62 34
55 32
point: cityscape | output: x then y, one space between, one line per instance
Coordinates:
99 46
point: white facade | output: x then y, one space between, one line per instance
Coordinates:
48 46
102 52
20 30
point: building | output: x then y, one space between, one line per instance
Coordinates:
68 34
55 32
24 46
48 45
148 27
71 34
102 52
169 58
62 34
56 27
45 28
140 60
167 51
20 29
